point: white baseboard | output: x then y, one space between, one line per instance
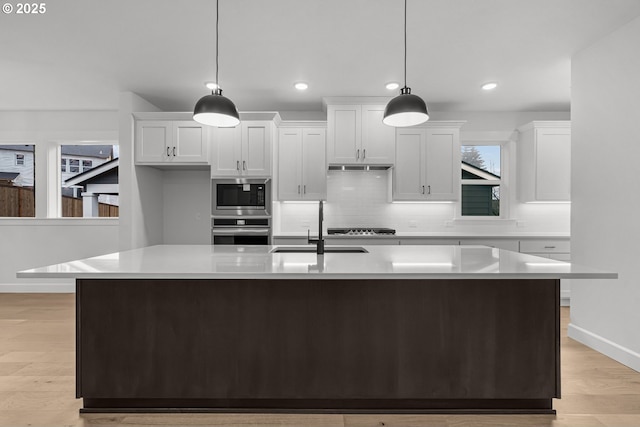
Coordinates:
42 288
615 351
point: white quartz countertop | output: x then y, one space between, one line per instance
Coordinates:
381 262
446 235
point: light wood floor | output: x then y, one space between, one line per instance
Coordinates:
37 383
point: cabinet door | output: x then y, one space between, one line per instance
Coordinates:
407 174
256 149
289 164
553 164
152 139
378 139
225 155
344 126
442 164
314 165
189 142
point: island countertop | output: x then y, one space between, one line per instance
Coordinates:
381 262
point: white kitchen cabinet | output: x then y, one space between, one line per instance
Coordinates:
244 150
356 134
508 244
429 241
302 166
427 163
361 241
544 161
162 142
557 249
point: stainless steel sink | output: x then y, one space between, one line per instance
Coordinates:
312 249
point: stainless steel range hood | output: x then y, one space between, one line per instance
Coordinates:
358 167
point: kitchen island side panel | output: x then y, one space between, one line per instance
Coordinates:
352 340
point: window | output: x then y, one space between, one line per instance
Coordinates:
17 185
89 180
481 180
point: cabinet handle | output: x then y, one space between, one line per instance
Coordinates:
237 165
428 189
304 188
298 188
174 151
358 154
168 154
244 165
423 189
549 247
364 154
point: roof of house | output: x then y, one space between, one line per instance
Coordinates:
90 175
480 173
8 176
97 151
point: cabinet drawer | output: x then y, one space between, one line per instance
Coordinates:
510 245
545 246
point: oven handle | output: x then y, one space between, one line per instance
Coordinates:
227 231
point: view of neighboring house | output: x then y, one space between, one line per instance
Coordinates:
17 180
482 199
16 161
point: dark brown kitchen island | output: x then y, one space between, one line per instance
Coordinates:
432 338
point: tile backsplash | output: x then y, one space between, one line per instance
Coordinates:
362 199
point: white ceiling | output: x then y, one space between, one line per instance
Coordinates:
81 53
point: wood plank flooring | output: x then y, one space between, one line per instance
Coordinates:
37 383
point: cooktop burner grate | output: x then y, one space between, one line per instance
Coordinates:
365 231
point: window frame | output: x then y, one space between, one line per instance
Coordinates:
503 182
20 157
57 208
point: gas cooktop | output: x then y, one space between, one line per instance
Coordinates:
360 231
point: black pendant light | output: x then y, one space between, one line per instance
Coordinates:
405 109
215 109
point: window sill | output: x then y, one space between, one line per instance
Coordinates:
13 221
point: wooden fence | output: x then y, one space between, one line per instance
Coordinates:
20 202
17 201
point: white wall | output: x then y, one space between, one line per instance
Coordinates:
605 314
187 207
32 242
140 186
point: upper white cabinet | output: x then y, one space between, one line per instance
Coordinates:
544 161
356 134
244 150
427 162
162 142
302 166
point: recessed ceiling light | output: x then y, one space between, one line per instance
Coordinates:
211 85
392 86
489 86
301 86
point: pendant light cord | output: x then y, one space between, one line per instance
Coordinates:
405 43
217 18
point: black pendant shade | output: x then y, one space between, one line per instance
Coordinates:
405 110
216 110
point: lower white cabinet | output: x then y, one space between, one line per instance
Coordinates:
428 241
508 244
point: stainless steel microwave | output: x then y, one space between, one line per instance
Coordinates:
241 196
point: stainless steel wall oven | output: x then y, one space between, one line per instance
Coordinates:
241 211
